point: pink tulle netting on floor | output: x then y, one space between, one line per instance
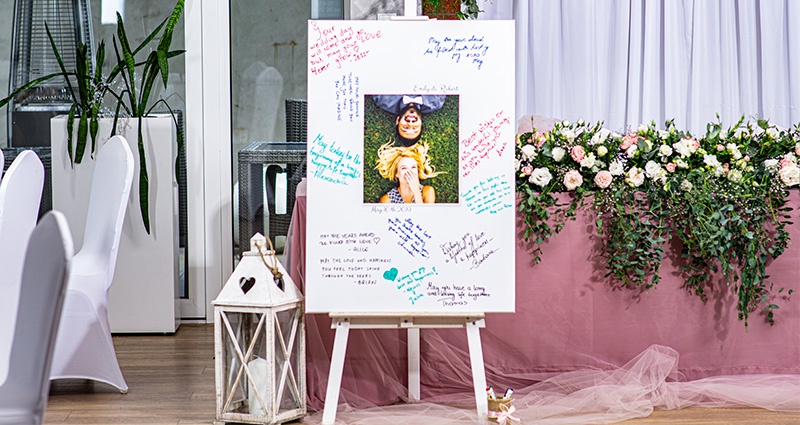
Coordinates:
647 382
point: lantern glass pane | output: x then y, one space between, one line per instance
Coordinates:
287 335
250 339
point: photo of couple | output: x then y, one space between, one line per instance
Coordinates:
411 149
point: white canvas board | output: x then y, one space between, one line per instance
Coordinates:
455 255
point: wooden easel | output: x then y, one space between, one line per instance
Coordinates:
343 322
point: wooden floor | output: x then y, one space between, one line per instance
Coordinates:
171 380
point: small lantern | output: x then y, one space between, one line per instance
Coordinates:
259 338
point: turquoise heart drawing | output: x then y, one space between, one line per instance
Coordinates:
390 274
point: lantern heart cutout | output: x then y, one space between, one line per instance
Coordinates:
246 283
390 274
376 240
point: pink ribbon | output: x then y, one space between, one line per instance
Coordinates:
506 415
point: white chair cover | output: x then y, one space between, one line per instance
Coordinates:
84 348
2 164
20 194
23 396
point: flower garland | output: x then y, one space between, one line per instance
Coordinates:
723 195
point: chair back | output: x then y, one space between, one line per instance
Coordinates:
2 164
108 201
23 395
20 194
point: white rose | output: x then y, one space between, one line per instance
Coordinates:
631 152
663 134
602 151
540 177
588 161
651 169
686 185
580 122
772 132
565 123
665 150
567 133
723 134
790 175
735 176
771 165
572 179
711 161
635 177
529 151
616 168
681 163
600 136
558 153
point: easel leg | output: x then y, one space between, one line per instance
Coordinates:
478 372
413 364
335 374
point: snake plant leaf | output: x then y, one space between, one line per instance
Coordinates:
70 126
83 129
149 76
128 59
118 68
144 183
166 40
60 62
94 126
27 86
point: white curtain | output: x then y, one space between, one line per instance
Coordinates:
627 62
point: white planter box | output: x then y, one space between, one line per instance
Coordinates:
144 296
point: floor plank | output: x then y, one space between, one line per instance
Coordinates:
171 381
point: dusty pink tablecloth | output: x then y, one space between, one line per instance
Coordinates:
567 318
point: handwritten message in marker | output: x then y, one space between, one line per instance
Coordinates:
410 284
484 142
335 46
471 248
454 295
348 97
489 196
353 242
412 237
333 163
359 270
469 50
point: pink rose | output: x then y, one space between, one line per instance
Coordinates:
695 143
577 153
785 162
670 167
629 140
797 150
603 179
572 179
527 170
747 158
539 139
720 148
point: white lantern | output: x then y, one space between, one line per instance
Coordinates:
260 342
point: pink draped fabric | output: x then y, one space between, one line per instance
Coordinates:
568 318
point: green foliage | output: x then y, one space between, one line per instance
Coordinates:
93 87
723 196
440 133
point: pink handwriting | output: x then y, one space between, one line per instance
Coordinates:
483 142
337 46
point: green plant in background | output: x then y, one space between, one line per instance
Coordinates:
130 84
723 196
440 132
468 8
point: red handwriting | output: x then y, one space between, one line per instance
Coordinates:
337 46
483 142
